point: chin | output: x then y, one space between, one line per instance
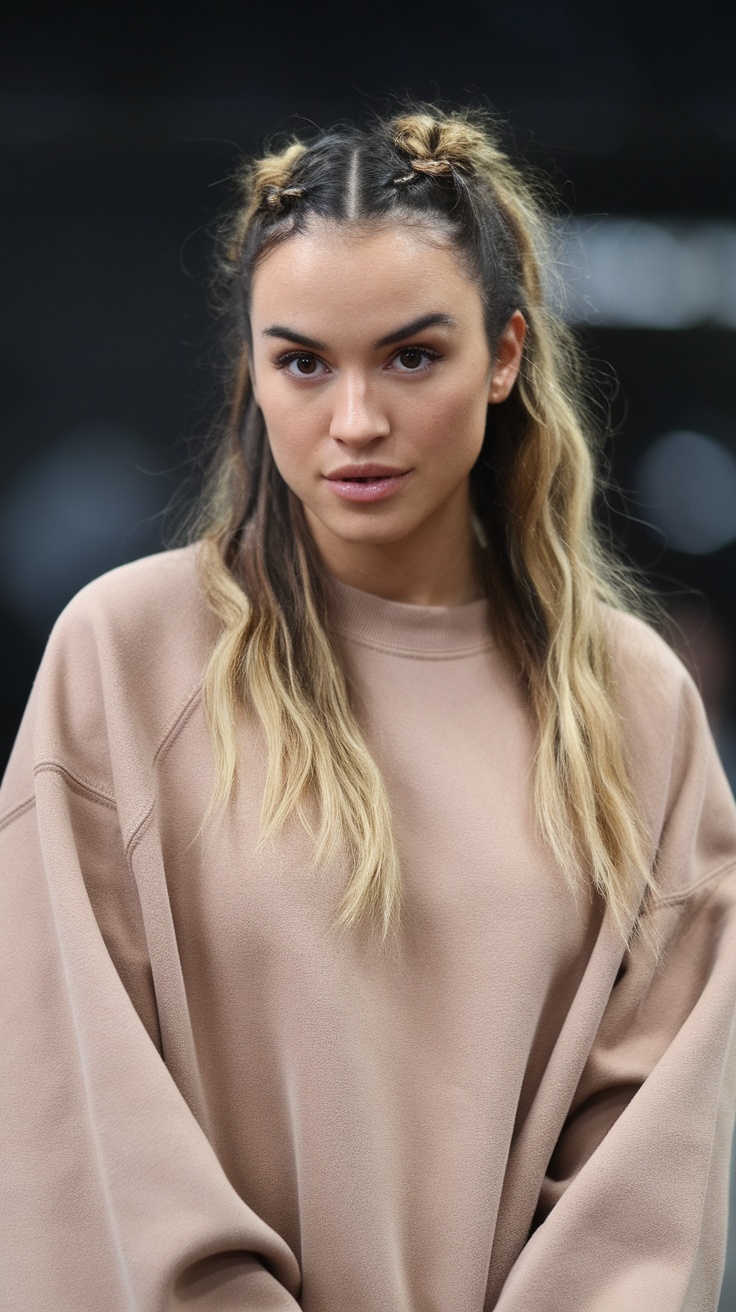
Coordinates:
368 534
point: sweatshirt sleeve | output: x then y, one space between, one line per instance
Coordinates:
112 1196
633 1210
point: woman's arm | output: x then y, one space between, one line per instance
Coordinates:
632 1212
112 1194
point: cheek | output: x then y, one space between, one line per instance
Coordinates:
454 422
291 421
275 405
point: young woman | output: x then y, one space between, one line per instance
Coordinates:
369 929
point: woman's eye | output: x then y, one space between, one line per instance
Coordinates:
304 364
301 365
413 358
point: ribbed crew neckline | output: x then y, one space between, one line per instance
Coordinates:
423 631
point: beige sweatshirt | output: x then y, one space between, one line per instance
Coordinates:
212 1101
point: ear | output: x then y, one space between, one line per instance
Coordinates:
508 358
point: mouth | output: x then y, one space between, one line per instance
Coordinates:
366 482
364 473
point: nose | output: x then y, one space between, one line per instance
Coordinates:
357 417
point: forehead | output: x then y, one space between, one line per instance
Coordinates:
330 270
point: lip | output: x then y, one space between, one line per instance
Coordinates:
368 482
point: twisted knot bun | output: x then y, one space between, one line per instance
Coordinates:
438 147
268 183
265 185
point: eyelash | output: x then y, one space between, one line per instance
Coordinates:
284 360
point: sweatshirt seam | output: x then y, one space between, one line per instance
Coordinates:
169 738
672 899
96 794
139 830
410 653
17 811
78 782
178 722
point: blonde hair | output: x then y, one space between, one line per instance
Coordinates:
533 487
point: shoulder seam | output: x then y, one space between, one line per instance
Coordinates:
139 830
178 722
16 812
97 794
168 740
77 781
673 898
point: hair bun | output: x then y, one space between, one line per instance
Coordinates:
440 145
268 182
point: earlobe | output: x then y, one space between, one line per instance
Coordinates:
508 358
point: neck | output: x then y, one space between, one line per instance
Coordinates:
427 568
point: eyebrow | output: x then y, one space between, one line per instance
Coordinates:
407 330
416 326
289 335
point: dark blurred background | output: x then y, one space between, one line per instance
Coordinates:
118 132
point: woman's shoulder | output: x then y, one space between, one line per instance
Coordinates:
657 695
148 611
124 661
142 617
672 757
645 663
152 589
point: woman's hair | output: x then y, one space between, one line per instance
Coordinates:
548 578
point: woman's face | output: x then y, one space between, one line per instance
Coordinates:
372 369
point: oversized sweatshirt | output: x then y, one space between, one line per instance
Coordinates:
212 1100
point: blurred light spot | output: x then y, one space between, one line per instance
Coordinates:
628 273
81 509
688 485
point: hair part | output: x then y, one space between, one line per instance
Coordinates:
549 578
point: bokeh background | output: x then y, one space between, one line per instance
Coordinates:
119 131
